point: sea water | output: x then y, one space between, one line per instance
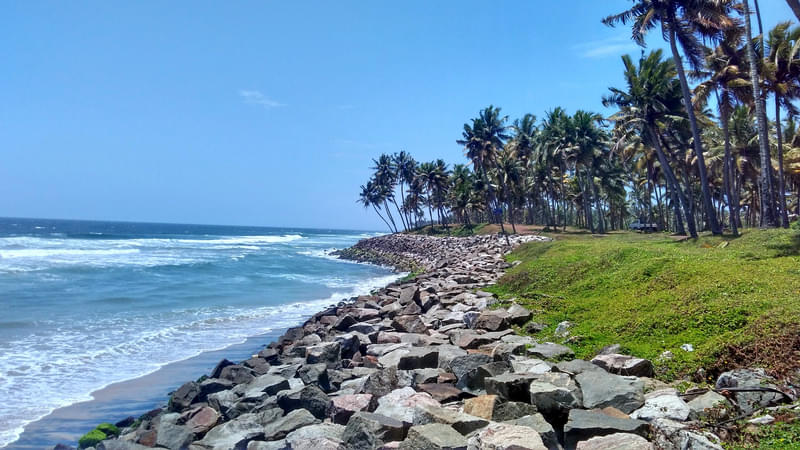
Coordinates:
86 304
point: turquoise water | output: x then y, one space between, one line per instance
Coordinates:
87 304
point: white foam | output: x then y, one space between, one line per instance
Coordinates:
48 370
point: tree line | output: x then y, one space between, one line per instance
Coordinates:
685 158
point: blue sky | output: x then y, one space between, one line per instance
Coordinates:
266 112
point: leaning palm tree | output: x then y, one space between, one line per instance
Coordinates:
386 179
681 21
369 197
405 168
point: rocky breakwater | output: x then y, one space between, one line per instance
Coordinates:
427 364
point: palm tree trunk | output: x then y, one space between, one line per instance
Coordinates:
765 179
726 169
698 144
587 202
389 213
563 192
781 181
670 175
795 5
381 216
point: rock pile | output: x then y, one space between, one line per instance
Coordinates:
426 364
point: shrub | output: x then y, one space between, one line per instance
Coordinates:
91 439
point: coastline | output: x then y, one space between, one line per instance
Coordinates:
432 362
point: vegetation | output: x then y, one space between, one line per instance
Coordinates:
735 300
98 434
718 164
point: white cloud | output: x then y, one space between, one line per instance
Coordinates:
615 46
257 98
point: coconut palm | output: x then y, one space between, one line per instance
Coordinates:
386 179
781 71
681 22
405 170
649 101
370 196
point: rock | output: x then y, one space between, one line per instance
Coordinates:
552 401
492 320
184 396
534 327
223 401
748 402
409 295
261 445
505 436
317 443
409 324
471 339
419 358
172 435
687 347
538 423
482 406
461 422
212 386
507 411
529 365
442 393
291 421
111 444
624 365
218 368
510 386
236 434
583 425
518 315
462 365
314 374
601 389
703 405
326 352
433 436
668 434
266 384
620 441
380 382
237 374
549 350
309 397
663 403
400 403
576 366
344 406
200 420
368 431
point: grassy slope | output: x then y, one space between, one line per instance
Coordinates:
650 293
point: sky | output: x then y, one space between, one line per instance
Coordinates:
269 113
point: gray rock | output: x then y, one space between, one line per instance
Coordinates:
223 401
400 403
702 405
748 402
473 381
344 406
172 435
314 374
562 329
184 396
583 425
433 436
461 422
318 443
368 431
381 382
507 411
237 374
409 295
518 315
326 352
624 365
538 423
576 366
510 386
668 434
663 403
521 364
292 421
111 444
462 365
419 358
236 434
262 445
601 389
409 324
549 350
309 397
505 436
622 441
266 384
552 401
492 320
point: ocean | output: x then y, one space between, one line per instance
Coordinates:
85 304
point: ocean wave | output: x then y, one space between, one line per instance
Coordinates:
59 366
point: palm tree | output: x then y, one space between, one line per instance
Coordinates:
405 169
482 140
586 141
781 71
386 180
509 175
426 172
727 79
681 21
369 196
795 5
649 100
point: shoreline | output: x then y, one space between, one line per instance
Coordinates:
434 362
119 399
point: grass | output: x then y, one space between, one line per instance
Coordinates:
736 300
784 435
452 230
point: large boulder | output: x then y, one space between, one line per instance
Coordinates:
303 437
294 420
409 324
399 404
624 365
601 389
538 423
419 358
518 315
368 431
505 436
621 441
325 352
433 436
266 385
510 386
704 404
171 434
583 425
309 397
551 351
492 320
201 419
461 422
552 401
237 374
237 433
482 406
344 406
663 403
669 434
184 396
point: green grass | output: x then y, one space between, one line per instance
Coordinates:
451 230
650 293
778 436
